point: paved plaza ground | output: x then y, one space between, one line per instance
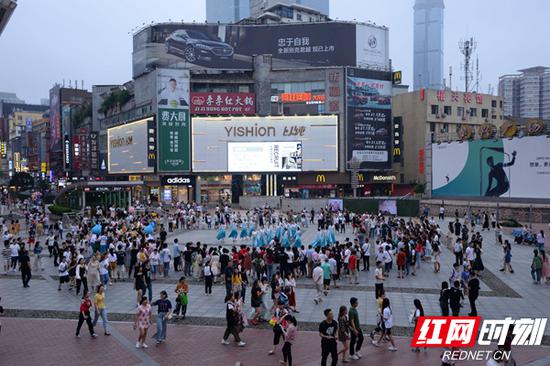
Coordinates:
502 295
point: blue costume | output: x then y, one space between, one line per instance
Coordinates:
221 233
244 231
298 239
233 234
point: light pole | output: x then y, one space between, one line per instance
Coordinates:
354 165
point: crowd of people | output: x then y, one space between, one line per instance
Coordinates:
261 250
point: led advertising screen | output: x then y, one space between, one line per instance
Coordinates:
264 156
515 168
265 144
297 45
127 148
369 102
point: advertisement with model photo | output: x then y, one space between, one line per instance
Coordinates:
265 144
203 46
173 120
515 168
369 101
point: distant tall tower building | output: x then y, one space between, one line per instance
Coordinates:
257 6
227 11
428 44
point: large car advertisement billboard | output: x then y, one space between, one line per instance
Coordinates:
265 144
173 120
516 168
203 46
127 148
369 101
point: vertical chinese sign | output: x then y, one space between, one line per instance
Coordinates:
173 120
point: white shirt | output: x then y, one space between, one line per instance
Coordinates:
388 318
378 275
14 248
366 249
470 253
103 267
318 275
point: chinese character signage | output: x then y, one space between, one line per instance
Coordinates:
397 139
67 152
55 118
334 93
94 151
173 120
232 47
369 100
223 103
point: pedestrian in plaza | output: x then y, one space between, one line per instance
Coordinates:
355 330
455 297
545 267
353 264
25 267
343 332
507 260
436 253
6 258
37 251
142 322
208 278
366 255
328 331
182 299
417 313
104 269
290 333
278 321
81 277
536 267
387 319
14 255
473 292
318 279
93 272
63 270
139 282
164 314
378 279
457 249
233 321
101 308
84 316
444 296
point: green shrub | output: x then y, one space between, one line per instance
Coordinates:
59 210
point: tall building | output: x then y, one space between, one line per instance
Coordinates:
227 11
527 94
428 44
257 7
7 7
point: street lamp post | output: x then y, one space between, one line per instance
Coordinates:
354 165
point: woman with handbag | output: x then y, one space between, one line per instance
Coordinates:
182 290
343 332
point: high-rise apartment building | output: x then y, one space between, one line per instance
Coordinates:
227 11
428 44
527 94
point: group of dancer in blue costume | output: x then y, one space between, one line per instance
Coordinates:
286 233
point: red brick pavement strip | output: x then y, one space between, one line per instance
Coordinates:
52 342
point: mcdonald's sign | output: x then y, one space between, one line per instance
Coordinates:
321 178
396 151
360 177
397 78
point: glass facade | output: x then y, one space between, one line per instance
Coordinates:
227 11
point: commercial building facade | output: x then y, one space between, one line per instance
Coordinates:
431 116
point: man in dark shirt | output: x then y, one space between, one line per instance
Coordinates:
454 298
187 259
133 259
328 331
25 267
458 226
444 298
163 234
473 293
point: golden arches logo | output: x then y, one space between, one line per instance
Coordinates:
321 178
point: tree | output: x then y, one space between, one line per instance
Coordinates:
419 188
22 180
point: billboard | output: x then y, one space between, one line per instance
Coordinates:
173 120
280 156
296 45
55 119
127 148
265 144
223 103
516 168
369 102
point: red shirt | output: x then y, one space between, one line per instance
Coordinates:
401 258
352 263
85 306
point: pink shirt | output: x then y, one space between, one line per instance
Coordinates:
291 332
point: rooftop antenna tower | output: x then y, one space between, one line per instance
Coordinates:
450 78
467 48
478 75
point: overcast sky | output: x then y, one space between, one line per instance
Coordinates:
47 41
